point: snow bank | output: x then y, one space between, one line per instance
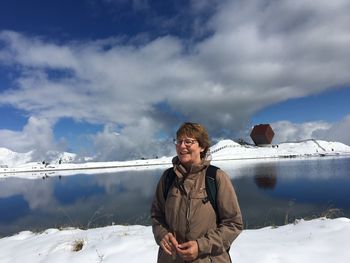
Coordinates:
320 240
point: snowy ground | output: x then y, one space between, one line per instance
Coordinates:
319 240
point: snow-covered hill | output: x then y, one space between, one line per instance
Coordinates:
10 158
13 163
227 150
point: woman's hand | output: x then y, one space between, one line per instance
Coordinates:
188 250
169 244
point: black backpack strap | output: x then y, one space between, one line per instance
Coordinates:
211 187
212 190
169 179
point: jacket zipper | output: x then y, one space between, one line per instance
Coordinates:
188 214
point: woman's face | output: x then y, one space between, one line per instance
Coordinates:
188 151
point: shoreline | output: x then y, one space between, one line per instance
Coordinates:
145 164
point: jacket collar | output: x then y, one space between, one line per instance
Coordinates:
194 168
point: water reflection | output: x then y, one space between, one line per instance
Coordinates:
266 181
266 177
303 188
81 200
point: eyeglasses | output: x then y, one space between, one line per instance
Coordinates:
187 142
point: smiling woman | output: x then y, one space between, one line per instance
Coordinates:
186 226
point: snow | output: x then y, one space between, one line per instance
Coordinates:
320 240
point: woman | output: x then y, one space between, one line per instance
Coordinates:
185 225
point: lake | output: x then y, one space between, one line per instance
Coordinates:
270 192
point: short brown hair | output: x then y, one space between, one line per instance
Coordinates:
196 131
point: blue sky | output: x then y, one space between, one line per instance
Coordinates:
115 78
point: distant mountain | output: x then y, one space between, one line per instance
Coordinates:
223 150
228 150
12 159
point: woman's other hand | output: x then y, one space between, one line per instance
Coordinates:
188 250
169 244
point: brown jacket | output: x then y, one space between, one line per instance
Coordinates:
186 214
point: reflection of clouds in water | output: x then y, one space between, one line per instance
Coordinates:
128 187
261 208
279 202
314 169
38 193
240 168
290 168
124 197
143 181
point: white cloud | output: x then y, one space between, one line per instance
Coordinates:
286 131
36 135
134 141
337 132
259 53
120 84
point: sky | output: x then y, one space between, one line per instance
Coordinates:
114 79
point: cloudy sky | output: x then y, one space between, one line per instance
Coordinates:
115 78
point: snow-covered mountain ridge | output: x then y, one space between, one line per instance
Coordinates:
228 149
10 158
11 162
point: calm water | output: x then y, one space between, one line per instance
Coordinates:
270 192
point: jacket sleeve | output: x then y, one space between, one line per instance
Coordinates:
159 226
218 240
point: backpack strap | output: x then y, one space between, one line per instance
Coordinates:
169 179
211 187
212 190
